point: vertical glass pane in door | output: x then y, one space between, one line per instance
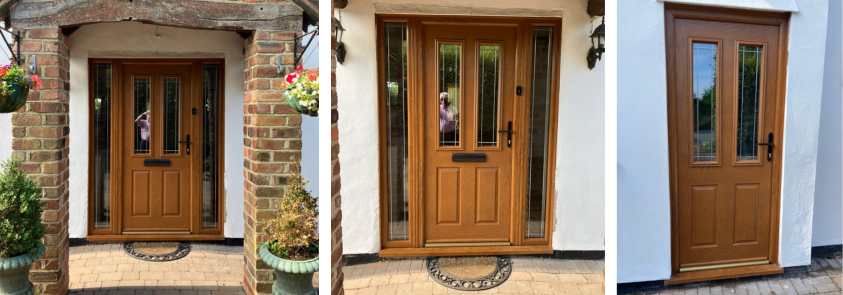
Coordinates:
488 91
395 49
171 115
143 114
539 124
705 102
749 73
102 144
449 94
210 143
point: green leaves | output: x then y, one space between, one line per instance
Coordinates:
20 211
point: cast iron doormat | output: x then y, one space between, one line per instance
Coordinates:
157 251
469 273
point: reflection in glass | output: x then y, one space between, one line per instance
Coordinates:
489 71
539 125
449 94
395 47
143 116
705 102
171 115
102 144
749 73
210 142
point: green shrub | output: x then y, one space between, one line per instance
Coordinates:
20 211
293 233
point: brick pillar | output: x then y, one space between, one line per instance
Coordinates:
336 204
272 139
40 137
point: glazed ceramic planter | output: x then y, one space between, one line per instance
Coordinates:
15 100
14 273
294 102
291 277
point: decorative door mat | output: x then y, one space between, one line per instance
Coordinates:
469 273
157 251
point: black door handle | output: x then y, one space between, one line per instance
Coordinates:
188 143
508 132
769 145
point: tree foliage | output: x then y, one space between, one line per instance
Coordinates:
20 211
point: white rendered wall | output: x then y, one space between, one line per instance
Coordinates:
133 39
828 198
643 183
578 223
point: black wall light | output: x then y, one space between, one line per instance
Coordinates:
598 41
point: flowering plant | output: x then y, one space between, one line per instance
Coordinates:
302 90
12 73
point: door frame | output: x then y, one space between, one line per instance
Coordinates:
415 139
684 11
114 232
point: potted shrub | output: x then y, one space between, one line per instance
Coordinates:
15 84
302 91
20 228
292 246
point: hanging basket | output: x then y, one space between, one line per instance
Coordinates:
294 102
15 100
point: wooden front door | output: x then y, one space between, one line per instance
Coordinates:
468 92
156 148
725 123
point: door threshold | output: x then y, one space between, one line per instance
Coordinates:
723 273
465 251
149 237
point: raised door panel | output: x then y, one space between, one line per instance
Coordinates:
746 213
448 196
141 201
704 216
486 195
171 197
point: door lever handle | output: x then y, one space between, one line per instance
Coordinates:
188 143
769 145
508 132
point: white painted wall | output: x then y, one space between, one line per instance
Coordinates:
828 198
579 222
643 184
133 39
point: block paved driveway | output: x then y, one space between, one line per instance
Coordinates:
824 277
530 275
105 269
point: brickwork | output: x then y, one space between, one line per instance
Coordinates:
40 136
272 140
336 205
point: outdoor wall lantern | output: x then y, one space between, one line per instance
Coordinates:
598 41
340 49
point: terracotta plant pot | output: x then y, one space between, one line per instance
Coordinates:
294 102
14 273
15 100
291 277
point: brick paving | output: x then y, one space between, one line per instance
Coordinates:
824 277
530 275
105 269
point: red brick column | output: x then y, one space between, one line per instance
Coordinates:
336 200
40 137
272 139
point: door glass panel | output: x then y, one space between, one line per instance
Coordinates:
705 102
395 47
210 142
449 94
102 144
143 114
171 115
749 73
539 125
489 71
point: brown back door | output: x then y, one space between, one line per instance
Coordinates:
468 109
156 154
725 114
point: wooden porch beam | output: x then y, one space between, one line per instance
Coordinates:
596 7
233 16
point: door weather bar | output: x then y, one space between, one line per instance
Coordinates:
477 244
185 232
727 265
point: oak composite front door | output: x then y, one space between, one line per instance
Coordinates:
156 148
725 116
468 93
